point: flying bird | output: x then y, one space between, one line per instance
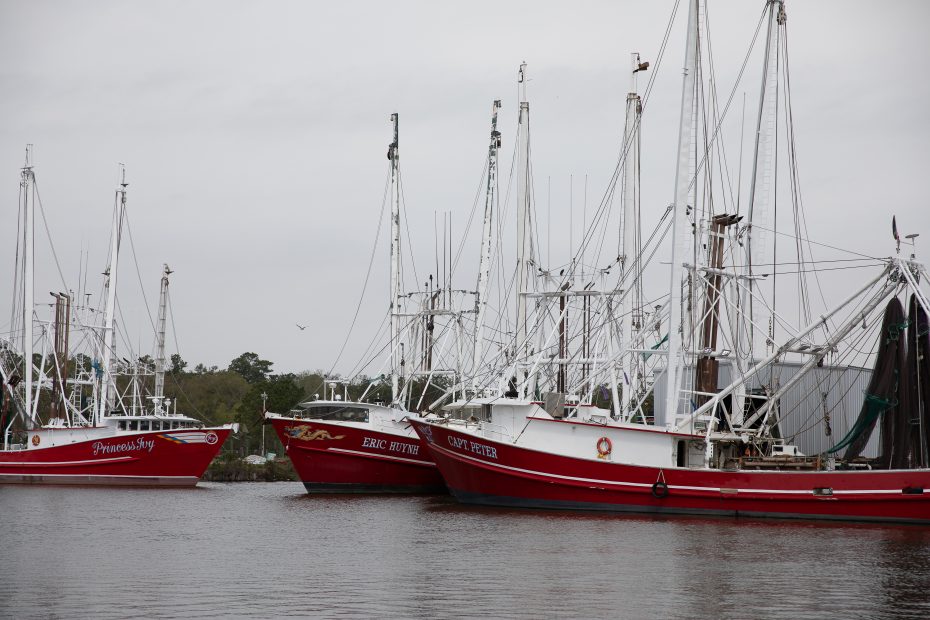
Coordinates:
302 327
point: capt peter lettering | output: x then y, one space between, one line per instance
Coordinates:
473 446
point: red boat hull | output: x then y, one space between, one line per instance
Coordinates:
167 458
481 471
332 458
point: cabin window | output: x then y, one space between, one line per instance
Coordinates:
133 425
680 453
144 425
122 425
343 413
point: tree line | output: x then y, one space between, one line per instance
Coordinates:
234 395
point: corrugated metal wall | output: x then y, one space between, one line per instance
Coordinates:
835 391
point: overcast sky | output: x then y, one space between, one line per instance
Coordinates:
254 136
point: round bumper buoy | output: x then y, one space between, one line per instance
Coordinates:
660 490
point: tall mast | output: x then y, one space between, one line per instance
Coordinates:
28 183
106 397
757 212
742 323
630 302
160 340
487 241
396 355
680 222
523 215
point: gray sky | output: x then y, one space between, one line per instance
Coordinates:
254 135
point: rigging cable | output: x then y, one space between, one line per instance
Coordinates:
371 261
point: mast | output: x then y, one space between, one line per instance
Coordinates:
487 241
160 340
631 301
523 215
28 183
396 355
560 378
680 222
61 329
106 397
757 212
707 369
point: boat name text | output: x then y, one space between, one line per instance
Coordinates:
472 446
393 446
130 446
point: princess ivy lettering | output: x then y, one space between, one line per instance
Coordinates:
141 443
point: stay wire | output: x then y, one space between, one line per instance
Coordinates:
174 379
135 260
48 235
371 261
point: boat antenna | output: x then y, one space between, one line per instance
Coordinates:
894 233
911 238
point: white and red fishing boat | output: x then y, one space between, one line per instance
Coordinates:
529 459
738 418
175 452
63 419
708 462
369 447
356 447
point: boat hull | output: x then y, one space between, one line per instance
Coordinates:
482 471
333 458
176 458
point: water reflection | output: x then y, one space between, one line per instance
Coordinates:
271 550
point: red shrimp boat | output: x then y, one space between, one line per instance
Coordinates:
479 469
63 419
708 443
343 446
174 450
340 447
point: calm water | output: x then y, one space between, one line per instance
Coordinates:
268 549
